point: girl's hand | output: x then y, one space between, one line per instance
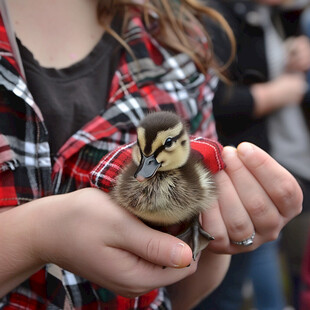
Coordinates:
89 235
256 194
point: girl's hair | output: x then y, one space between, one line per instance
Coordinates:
177 21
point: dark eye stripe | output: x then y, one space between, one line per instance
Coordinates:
163 147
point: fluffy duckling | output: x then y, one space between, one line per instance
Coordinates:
166 183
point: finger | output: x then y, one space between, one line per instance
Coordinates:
154 246
213 223
278 183
264 215
236 218
156 276
137 276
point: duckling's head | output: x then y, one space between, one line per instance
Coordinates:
162 144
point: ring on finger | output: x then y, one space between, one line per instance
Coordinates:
246 242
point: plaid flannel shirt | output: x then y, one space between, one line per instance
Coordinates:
168 81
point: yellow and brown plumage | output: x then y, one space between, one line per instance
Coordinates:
166 183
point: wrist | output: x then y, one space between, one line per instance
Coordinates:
49 217
59 224
262 103
19 259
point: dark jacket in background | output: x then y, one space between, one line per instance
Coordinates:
234 104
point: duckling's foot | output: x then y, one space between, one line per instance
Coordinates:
196 237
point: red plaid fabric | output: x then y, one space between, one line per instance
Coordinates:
105 173
211 152
168 81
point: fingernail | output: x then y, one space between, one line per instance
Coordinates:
245 148
176 254
229 151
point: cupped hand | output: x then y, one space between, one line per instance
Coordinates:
255 194
89 235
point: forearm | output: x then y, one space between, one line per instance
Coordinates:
264 100
210 273
19 229
26 234
286 90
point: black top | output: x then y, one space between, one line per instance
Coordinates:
71 97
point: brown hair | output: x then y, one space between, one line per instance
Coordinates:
177 19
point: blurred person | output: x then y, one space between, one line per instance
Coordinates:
267 80
290 140
305 276
305 29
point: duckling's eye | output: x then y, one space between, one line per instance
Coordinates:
168 142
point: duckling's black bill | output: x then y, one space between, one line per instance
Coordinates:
147 167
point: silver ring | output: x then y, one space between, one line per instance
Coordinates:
246 242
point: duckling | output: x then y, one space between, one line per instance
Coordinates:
166 183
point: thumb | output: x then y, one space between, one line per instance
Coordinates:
155 246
